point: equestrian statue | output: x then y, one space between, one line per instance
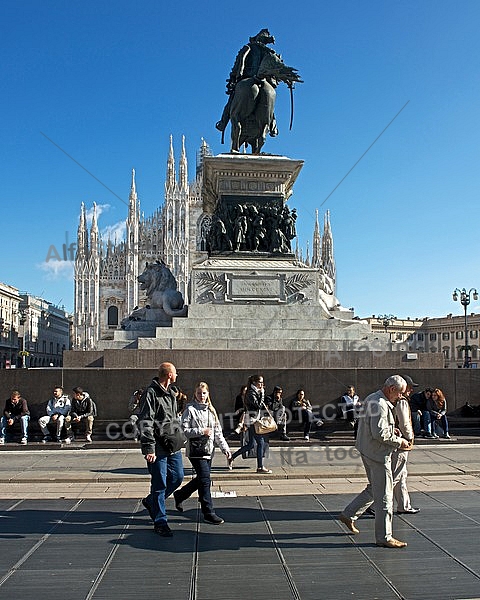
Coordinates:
256 73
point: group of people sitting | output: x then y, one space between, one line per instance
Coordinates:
62 414
428 409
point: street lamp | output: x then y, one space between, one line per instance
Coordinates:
465 301
386 320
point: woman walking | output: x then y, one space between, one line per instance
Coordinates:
254 402
202 429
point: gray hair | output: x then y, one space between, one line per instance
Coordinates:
395 380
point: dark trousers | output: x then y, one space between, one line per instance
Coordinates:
307 420
201 483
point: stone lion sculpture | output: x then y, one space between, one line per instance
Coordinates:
164 300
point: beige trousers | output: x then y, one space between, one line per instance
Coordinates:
399 472
378 492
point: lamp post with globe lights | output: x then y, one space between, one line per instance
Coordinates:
386 320
465 301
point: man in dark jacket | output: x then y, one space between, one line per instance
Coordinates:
16 410
162 439
418 409
82 411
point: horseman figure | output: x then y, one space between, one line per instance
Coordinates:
251 88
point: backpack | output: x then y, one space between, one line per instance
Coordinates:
94 408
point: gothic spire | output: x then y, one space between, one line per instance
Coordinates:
133 208
183 175
94 232
171 175
82 239
328 260
317 244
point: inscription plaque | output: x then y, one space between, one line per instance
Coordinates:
241 288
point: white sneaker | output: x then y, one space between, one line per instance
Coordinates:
88 437
307 438
24 441
68 440
2 441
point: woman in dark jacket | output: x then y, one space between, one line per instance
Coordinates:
254 402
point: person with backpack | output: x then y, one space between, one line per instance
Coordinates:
83 410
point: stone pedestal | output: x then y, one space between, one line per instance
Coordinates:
242 177
256 300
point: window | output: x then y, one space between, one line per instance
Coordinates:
474 334
112 316
433 337
445 335
446 352
459 335
459 352
410 337
420 337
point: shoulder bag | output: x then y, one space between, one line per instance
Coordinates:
266 423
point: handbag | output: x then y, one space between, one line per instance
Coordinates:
197 447
265 424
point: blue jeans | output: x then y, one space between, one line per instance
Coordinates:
167 474
442 422
200 483
253 437
23 424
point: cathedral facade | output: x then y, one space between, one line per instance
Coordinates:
106 271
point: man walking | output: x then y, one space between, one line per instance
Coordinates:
377 438
162 439
399 457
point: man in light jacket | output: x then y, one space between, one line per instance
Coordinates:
399 457
377 438
58 409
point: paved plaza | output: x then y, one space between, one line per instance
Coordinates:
72 526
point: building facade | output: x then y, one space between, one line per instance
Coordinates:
445 335
33 332
106 272
9 307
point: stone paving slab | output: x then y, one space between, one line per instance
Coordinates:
270 546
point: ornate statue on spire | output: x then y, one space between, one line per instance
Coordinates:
251 88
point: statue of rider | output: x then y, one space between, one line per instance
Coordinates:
246 65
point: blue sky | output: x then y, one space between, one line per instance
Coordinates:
108 82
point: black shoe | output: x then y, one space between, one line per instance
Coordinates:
178 503
147 505
411 511
47 438
284 438
213 519
163 530
370 511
